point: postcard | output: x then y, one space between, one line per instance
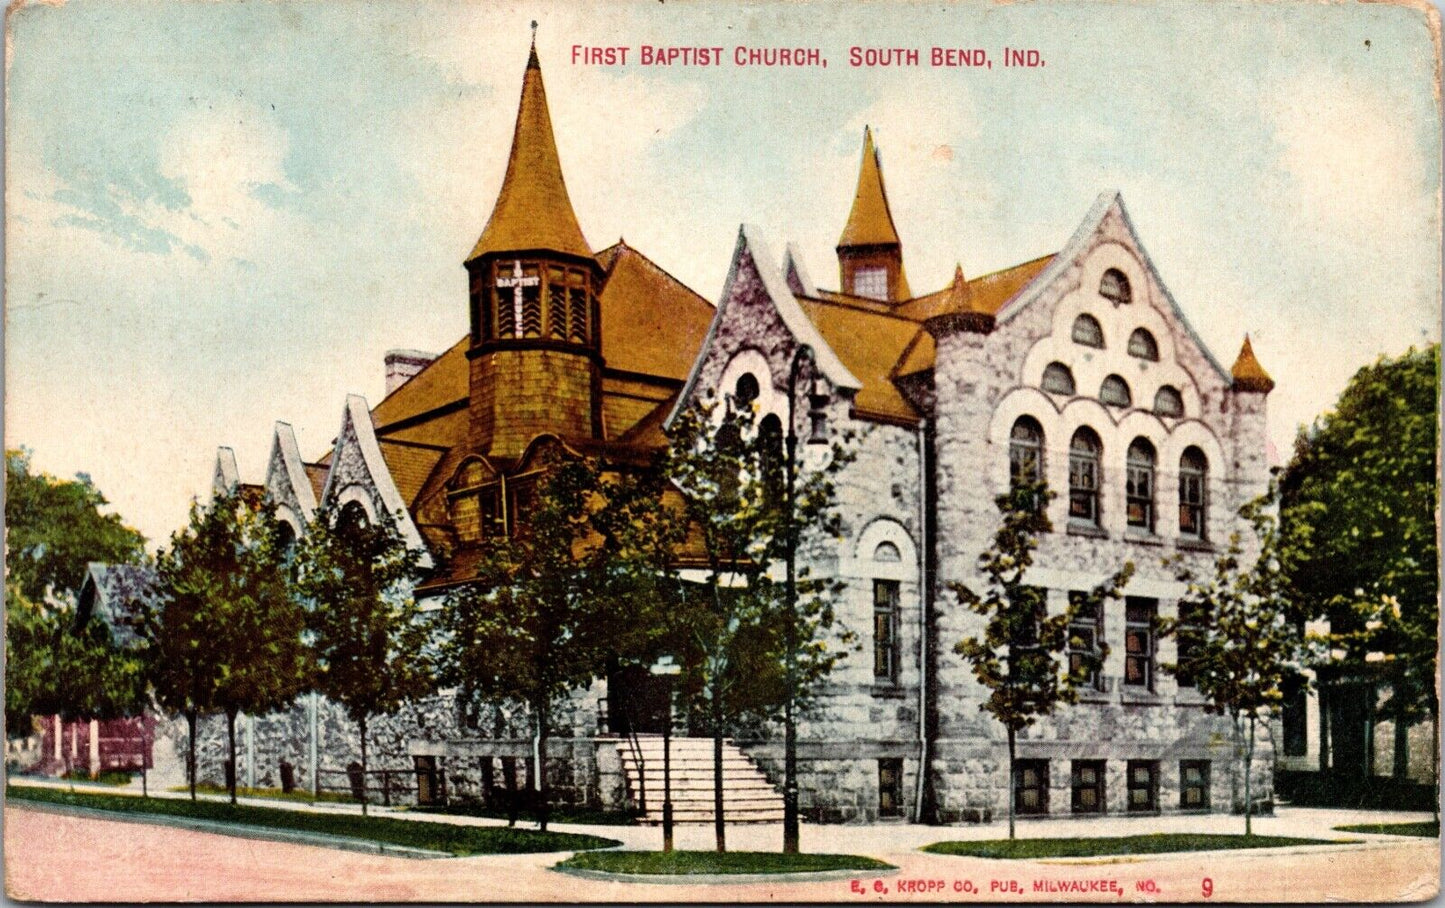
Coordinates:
722 451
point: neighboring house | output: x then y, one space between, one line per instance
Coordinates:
1077 367
113 744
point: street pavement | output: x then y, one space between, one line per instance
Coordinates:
55 857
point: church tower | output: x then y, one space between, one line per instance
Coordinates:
870 256
535 347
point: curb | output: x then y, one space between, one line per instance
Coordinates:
665 879
237 830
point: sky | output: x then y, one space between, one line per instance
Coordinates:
223 214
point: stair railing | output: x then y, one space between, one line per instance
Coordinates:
635 747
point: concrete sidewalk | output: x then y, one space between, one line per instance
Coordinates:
877 839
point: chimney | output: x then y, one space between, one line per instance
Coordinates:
401 365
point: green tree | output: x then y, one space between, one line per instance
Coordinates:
54 528
574 584
733 627
355 578
225 633
1246 637
1018 655
1364 481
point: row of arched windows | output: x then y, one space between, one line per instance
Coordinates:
1026 465
1114 391
1088 332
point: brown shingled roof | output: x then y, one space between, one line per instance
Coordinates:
444 381
985 294
533 210
869 343
316 475
870 223
409 465
652 323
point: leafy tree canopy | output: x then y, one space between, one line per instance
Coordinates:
54 528
1363 483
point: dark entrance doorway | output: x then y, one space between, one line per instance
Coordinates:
1350 719
636 701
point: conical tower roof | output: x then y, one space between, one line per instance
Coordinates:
1248 374
870 223
533 210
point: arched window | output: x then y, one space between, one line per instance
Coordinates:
1058 379
286 541
1084 452
1169 402
1025 452
1143 346
1088 332
770 450
1139 485
1193 471
1115 392
888 552
746 389
1115 287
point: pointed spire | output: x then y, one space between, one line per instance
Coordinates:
533 210
1248 374
870 223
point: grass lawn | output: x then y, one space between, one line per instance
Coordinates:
579 815
1426 830
1158 843
455 840
108 777
709 862
300 795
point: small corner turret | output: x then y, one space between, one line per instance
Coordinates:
1248 374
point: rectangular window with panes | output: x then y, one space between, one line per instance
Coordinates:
885 631
1187 640
1143 786
1193 784
1139 642
1086 631
1088 786
871 282
890 787
1031 786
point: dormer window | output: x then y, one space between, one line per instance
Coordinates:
1088 332
1115 287
871 282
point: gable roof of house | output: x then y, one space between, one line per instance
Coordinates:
652 323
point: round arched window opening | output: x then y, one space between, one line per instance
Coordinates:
1115 392
1169 402
1143 346
1088 332
1114 287
353 517
1058 379
747 388
887 551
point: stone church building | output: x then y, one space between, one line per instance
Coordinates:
1078 367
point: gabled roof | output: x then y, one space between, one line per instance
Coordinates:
414 404
108 593
870 223
652 323
533 210
870 344
409 464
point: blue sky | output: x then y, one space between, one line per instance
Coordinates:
223 214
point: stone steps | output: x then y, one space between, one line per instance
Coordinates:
748 797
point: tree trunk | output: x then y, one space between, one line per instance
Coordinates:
1248 766
1435 758
362 724
191 752
541 769
231 743
1009 795
719 818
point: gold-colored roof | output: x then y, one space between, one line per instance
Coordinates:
986 294
870 344
409 465
1248 374
652 323
533 210
442 382
870 223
